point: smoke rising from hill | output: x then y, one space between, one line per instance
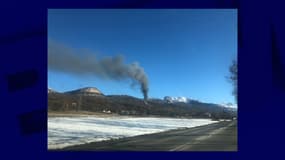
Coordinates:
68 60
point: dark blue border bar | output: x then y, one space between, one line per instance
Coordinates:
261 78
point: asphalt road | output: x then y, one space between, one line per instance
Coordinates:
221 136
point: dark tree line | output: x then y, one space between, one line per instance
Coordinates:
127 105
234 78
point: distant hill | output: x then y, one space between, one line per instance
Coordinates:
176 99
51 91
87 91
91 99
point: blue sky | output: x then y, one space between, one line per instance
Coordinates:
184 52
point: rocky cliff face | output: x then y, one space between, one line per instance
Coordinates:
87 91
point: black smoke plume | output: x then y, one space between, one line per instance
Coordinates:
65 59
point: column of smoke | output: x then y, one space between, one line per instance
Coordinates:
68 60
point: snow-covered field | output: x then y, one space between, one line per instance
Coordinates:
67 131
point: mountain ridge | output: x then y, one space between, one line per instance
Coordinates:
91 99
93 91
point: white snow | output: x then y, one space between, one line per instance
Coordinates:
176 99
67 131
